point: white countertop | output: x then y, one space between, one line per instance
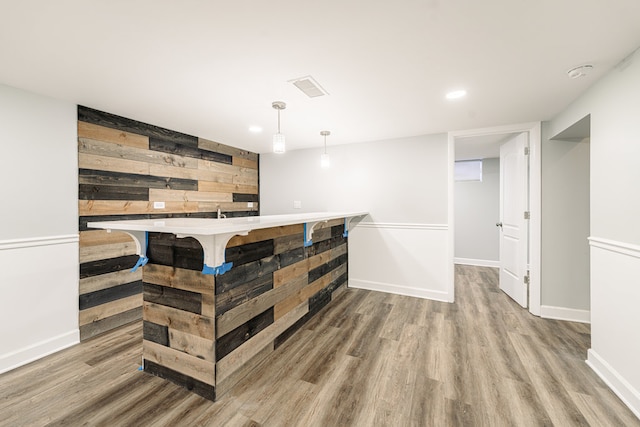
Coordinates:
213 226
214 234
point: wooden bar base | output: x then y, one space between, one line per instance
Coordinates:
206 333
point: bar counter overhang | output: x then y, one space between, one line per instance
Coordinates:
221 294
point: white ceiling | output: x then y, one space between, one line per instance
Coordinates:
212 68
480 147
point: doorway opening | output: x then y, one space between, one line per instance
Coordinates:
484 144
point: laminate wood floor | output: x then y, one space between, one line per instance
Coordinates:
368 359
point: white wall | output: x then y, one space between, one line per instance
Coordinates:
401 246
477 210
565 229
39 232
614 105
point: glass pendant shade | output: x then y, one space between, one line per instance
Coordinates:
325 161
278 143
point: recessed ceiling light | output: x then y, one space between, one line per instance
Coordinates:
579 71
255 129
456 94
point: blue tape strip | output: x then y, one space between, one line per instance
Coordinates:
142 261
307 243
140 368
221 269
346 229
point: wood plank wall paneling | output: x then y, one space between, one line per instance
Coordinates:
125 166
179 314
275 286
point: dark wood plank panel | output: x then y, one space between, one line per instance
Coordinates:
156 333
291 257
240 197
243 333
89 115
111 192
320 271
318 301
171 297
167 249
108 265
205 390
171 147
248 253
98 177
104 296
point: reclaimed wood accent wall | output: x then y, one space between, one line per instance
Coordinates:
124 167
193 321
275 286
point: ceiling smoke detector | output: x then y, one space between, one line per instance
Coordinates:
309 86
579 71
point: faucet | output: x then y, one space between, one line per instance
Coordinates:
220 214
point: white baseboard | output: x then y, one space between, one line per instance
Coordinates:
563 313
477 262
36 351
625 391
399 290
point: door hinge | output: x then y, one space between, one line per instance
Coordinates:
526 151
527 215
526 278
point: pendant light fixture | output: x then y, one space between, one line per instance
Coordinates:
278 138
325 160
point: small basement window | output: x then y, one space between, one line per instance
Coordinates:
468 170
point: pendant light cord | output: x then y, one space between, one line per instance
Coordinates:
278 120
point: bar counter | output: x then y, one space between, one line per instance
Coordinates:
221 294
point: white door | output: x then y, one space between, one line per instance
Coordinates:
513 225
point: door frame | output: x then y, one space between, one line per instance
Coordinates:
535 171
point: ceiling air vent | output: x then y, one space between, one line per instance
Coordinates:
309 86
